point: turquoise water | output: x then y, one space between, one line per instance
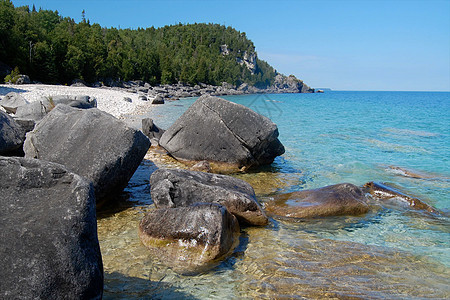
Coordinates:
330 138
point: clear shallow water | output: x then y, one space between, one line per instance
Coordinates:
329 138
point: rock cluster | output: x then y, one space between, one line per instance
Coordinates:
282 84
178 188
74 156
196 220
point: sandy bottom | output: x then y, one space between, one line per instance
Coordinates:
109 100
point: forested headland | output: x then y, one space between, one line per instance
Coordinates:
54 49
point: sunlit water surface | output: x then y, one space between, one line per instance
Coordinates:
356 137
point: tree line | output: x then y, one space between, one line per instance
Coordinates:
55 49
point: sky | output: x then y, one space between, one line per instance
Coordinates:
372 45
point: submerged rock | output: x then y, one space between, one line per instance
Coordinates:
176 188
386 193
218 130
11 135
333 200
189 239
91 143
49 248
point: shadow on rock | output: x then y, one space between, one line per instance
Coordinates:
137 192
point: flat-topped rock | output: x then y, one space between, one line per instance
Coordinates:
333 200
190 239
91 143
178 188
49 247
217 130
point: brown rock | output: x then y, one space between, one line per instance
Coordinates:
333 200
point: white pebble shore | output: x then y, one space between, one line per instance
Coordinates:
109 100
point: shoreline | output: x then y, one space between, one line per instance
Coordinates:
111 99
108 100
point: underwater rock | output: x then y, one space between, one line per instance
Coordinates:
217 130
189 239
386 193
175 188
50 248
333 200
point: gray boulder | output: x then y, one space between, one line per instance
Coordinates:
91 143
218 130
175 188
35 110
12 135
333 200
49 246
158 100
38 109
78 101
190 239
12 101
152 131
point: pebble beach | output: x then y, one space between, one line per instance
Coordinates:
108 99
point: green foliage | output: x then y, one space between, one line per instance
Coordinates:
53 49
13 76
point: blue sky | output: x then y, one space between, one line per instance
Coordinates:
344 45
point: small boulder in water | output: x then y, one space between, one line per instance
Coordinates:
189 239
333 200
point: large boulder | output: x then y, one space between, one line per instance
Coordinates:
49 247
11 135
91 143
333 200
189 239
175 188
12 101
218 130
